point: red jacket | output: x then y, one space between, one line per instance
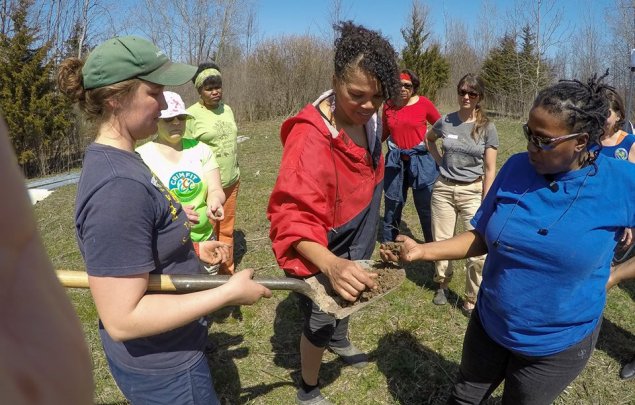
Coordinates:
328 191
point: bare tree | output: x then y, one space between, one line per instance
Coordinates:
486 31
546 19
193 31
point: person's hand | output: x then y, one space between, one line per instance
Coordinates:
215 210
627 238
191 213
409 251
348 278
213 251
243 290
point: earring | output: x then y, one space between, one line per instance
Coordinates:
332 104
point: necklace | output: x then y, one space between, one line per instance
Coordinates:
553 186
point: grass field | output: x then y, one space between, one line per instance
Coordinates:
415 346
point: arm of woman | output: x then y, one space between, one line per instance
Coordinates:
431 144
631 154
489 169
43 354
461 246
215 195
128 313
621 272
347 277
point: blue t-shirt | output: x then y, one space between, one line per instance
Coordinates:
128 223
621 150
550 245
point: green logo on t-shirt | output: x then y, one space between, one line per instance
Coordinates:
185 185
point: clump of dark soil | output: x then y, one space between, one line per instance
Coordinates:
394 247
388 277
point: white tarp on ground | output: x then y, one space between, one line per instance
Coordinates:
38 194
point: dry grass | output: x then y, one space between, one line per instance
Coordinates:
415 345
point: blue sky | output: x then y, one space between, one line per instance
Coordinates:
277 17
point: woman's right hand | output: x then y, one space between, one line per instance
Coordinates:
410 251
244 290
191 213
348 278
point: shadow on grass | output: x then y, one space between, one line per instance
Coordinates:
629 287
220 357
414 373
616 342
240 246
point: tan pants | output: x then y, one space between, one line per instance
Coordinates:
225 228
449 201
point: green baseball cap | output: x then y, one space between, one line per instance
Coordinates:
130 57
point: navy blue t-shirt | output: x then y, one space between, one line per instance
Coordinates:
127 223
550 245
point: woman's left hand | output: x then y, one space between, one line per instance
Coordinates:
215 210
213 251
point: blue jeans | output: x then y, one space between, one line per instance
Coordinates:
528 380
193 386
393 210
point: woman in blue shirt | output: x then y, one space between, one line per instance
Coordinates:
550 243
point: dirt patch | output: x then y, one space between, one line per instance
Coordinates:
389 276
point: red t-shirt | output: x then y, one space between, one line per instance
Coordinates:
407 125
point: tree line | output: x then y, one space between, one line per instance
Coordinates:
516 54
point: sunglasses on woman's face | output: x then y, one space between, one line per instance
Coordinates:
544 143
471 94
181 117
407 86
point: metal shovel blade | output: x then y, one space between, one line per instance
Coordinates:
317 287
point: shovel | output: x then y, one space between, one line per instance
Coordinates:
317 287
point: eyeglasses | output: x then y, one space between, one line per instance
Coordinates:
471 94
546 143
181 117
407 86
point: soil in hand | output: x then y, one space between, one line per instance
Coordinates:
394 247
389 276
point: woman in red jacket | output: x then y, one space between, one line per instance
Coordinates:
324 208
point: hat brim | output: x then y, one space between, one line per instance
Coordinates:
170 74
170 115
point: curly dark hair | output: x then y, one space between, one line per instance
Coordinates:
215 81
584 107
414 79
360 47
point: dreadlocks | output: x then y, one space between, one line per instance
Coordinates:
584 107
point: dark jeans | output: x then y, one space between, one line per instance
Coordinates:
528 380
193 386
393 210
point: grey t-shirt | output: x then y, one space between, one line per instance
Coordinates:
462 155
127 223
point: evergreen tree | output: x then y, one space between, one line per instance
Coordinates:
513 76
37 116
427 62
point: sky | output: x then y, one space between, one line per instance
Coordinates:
278 17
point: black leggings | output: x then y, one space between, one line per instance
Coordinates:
528 380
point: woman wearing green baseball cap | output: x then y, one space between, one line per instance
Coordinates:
128 225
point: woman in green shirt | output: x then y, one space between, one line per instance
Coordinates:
213 123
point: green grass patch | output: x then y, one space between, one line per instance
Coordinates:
415 346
